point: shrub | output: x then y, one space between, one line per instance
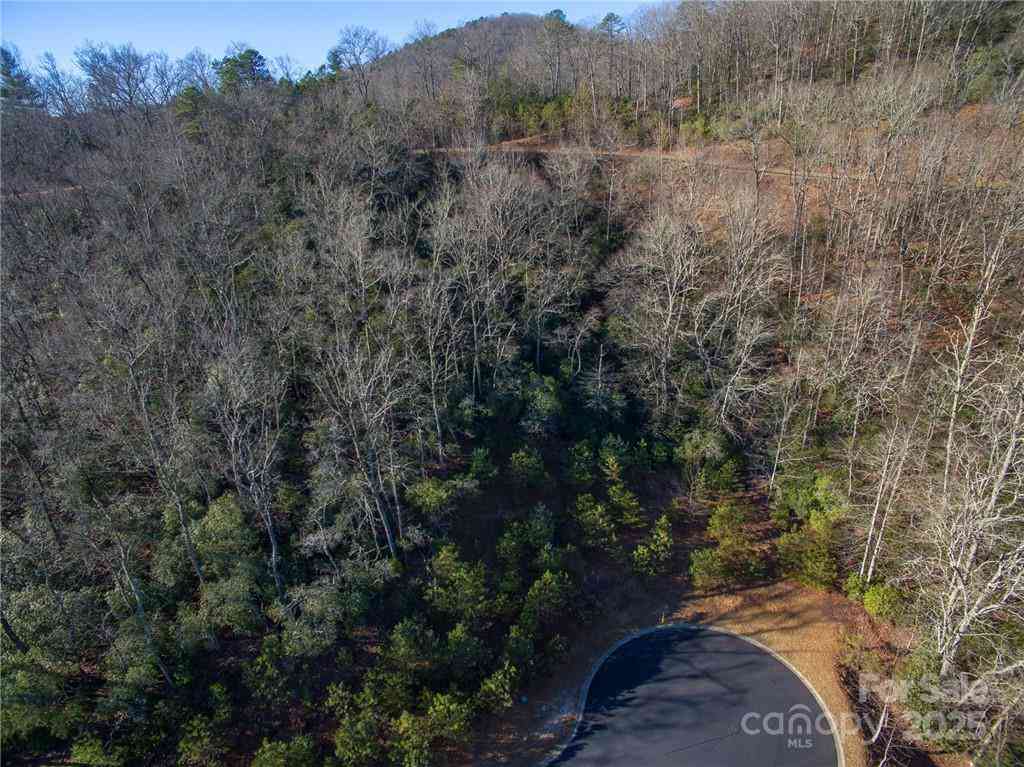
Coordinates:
735 559
497 691
543 408
547 599
707 569
640 456
88 750
883 601
694 132
854 587
297 752
263 675
526 468
727 521
430 496
523 540
519 646
201 744
580 466
807 555
411 744
927 703
556 648
809 506
799 497
698 451
981 70
596 523
458 588
651 557
723 478
357 741
449 716
613 457
412 647
481 468
466 654
447 719
626 505
540 527
551 557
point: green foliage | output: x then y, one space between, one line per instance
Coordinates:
652 557
626 505
614 458
16 86
458 589
89 750
797 498
883 601
449 716
723 478
727 523
36 697
703 456
188 106
466 655
695 131
708 569
543 407
854 587
297 752
481 468
416 736
322 612
661 453
222 535
983 71
412 649
1000 755
522 540
924 698
357 741
412 742
430 496
497 691
245 69
735 559
201 745
596 523
264 675
808 507
519 646
548 599
526 468
580 465
640 456
807 554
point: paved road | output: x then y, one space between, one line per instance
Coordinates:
678 696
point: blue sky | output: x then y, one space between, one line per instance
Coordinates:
302 30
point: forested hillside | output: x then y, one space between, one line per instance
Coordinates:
326 431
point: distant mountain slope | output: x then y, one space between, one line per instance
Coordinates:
425 64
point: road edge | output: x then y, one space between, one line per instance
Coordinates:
581 702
